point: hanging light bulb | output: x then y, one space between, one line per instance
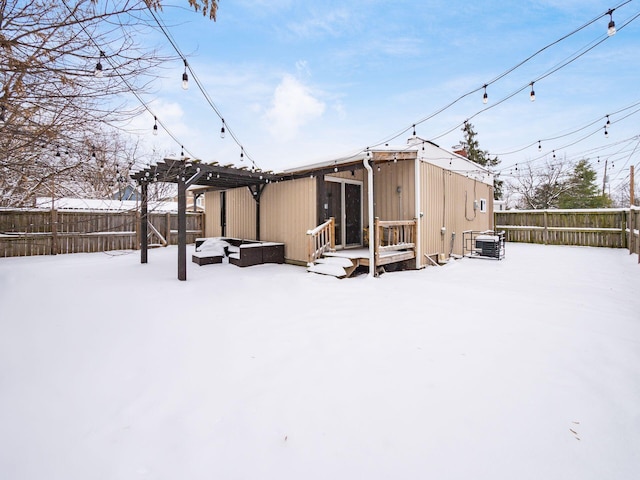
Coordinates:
606 132
98 70
222 132
485 97
414 130
181 151
155 125
242 154
532 95
539 146
395 158
608 121
611 28
554 154
185 77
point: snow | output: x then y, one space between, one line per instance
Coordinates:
479 369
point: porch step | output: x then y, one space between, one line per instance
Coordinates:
328 269
341 261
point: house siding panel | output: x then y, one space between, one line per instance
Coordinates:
241 214
448 200
212 227
288 210
389 203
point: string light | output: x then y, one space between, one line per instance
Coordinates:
155 125
606 132
98 70
414 130
222 132
608 121
242 154
185 77
539 146
485 97
532 95
611 28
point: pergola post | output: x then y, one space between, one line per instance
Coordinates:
182 229
143 221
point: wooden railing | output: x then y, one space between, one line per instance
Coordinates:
321 239
398 236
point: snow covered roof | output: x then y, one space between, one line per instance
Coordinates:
425 150
102 204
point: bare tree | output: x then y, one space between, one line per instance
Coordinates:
68 72
208 7
540 186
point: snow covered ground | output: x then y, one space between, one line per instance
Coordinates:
528 368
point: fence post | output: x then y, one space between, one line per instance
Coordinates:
54 231
167 234
632 237
545 233
623 229
137 230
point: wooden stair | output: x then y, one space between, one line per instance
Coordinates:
338 267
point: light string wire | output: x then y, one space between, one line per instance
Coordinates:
124 80
500 76
167 33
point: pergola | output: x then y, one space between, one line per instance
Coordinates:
185 173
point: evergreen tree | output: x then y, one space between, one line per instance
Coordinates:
479 156
581 189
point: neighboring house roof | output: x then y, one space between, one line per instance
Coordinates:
102 204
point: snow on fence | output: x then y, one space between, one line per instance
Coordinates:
25 232
615 228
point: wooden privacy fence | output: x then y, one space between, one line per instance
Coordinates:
50 232
615 228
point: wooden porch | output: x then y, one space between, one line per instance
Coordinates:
394 242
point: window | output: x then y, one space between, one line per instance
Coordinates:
483 205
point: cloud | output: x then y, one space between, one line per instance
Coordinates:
292 107
333 23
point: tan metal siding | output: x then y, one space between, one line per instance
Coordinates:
444 195
241 214
389 204
212 227
287 211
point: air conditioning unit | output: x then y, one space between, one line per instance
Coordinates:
488 245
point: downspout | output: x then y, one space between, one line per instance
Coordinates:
418 213
372 233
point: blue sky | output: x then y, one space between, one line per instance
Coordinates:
302 81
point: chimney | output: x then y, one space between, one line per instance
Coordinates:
458 150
